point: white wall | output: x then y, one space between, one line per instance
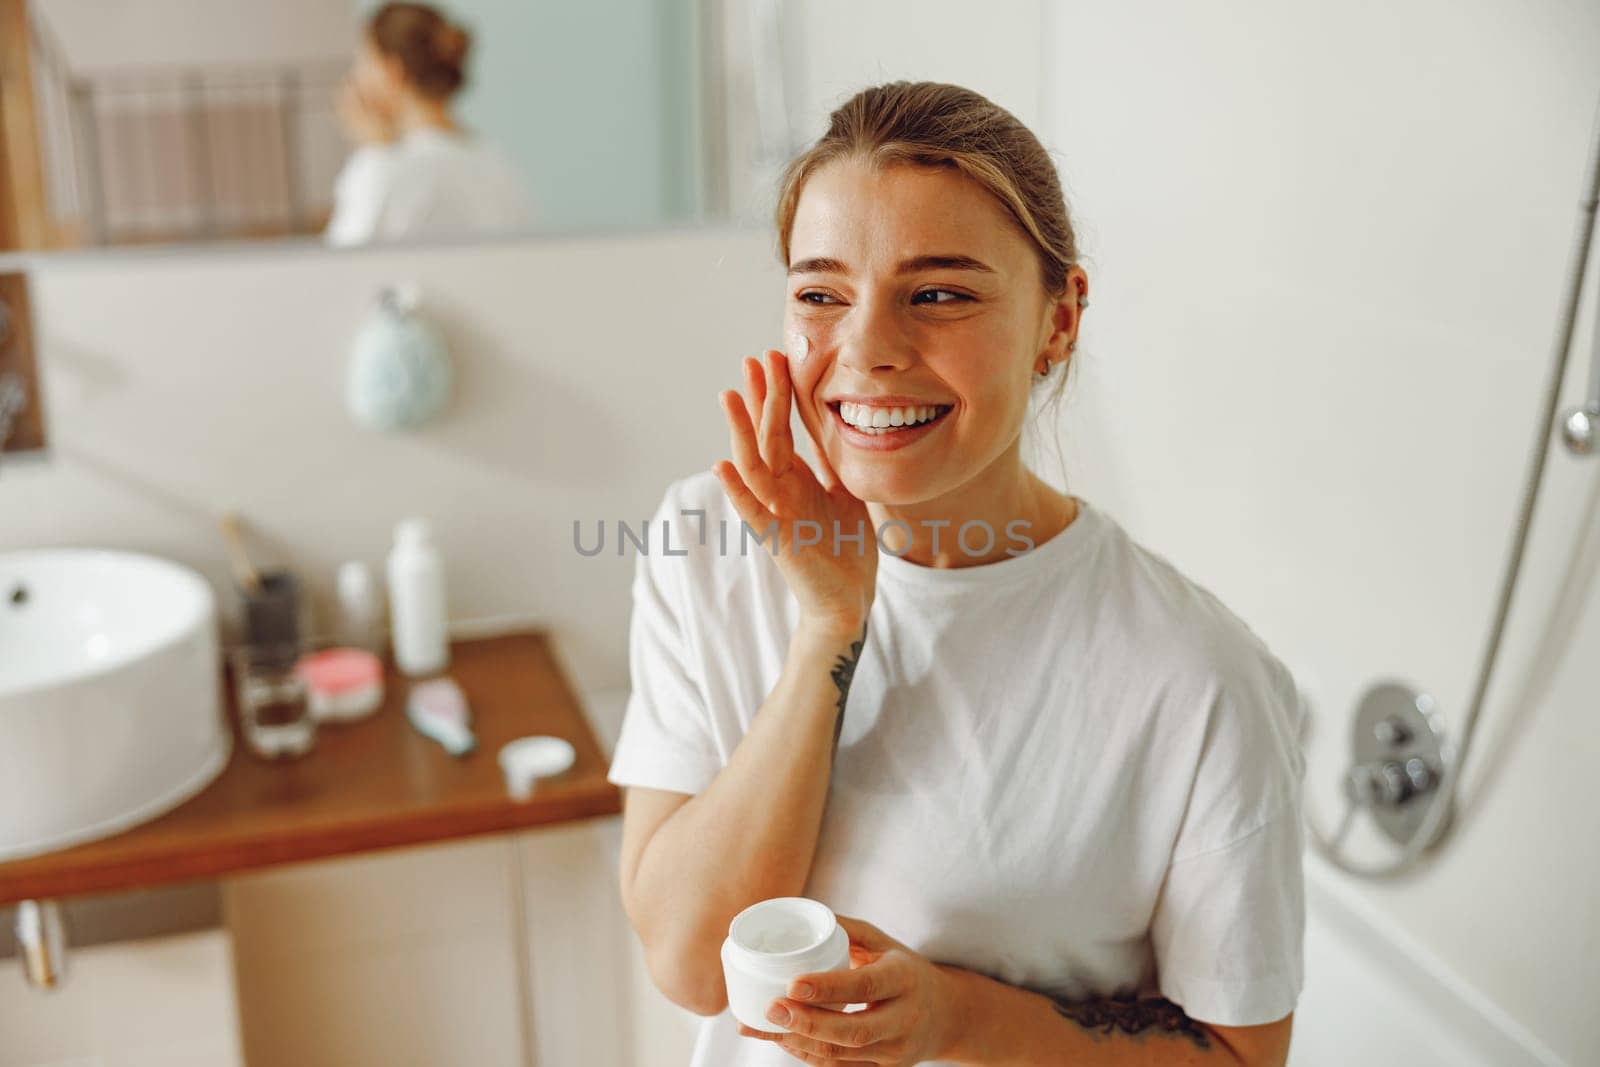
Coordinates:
833 48
1327 245
837 47
99 37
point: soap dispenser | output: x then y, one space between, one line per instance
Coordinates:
399 375
418 620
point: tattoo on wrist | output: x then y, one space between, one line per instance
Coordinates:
1134 1017
843 670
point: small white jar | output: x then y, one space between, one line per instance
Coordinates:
773 941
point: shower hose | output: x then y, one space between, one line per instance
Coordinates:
1442 799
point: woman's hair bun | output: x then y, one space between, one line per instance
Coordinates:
450 42
432 48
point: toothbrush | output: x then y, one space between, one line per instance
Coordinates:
437 710
233 536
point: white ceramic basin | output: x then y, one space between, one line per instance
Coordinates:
109 707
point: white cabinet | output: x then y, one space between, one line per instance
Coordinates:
161 1002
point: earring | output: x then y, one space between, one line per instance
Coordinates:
1047 364
1083 300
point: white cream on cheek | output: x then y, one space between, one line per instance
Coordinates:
799 346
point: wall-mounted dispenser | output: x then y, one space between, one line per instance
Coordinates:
399 374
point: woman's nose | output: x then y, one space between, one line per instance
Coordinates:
872 337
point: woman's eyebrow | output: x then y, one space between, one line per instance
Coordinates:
818 265
947 262
825 265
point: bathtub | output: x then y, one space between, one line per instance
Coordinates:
1371 994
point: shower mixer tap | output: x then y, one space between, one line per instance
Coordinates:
1400 751
1389 783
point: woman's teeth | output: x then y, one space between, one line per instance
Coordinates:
877 420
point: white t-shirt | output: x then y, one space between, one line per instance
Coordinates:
428 183
1072 770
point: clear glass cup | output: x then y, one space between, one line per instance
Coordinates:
274 711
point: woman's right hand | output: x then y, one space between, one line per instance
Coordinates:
768 482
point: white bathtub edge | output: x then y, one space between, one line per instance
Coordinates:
1460 1005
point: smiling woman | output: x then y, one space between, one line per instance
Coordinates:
1060 820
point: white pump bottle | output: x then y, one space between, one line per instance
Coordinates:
417 616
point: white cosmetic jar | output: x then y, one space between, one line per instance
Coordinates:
773 941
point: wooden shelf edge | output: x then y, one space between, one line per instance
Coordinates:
150 870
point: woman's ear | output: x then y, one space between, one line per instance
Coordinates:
1062 315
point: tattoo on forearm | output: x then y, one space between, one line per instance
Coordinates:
842 672
1134 1017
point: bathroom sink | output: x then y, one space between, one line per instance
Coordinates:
109 706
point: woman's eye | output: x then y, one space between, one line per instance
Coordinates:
814 297
938 296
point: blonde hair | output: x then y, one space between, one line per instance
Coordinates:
933 124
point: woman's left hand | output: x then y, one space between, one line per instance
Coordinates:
910 1013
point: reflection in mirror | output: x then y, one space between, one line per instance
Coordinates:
163 121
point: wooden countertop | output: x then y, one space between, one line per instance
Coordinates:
370 784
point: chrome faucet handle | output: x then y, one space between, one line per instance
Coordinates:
1578 430
1391 731
1389 783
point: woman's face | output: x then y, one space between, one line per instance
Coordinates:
379 78
914 287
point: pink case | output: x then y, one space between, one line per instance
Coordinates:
342 683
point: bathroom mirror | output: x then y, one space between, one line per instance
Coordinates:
161 122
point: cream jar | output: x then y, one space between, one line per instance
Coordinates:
772 942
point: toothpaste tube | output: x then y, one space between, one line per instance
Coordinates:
437 709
